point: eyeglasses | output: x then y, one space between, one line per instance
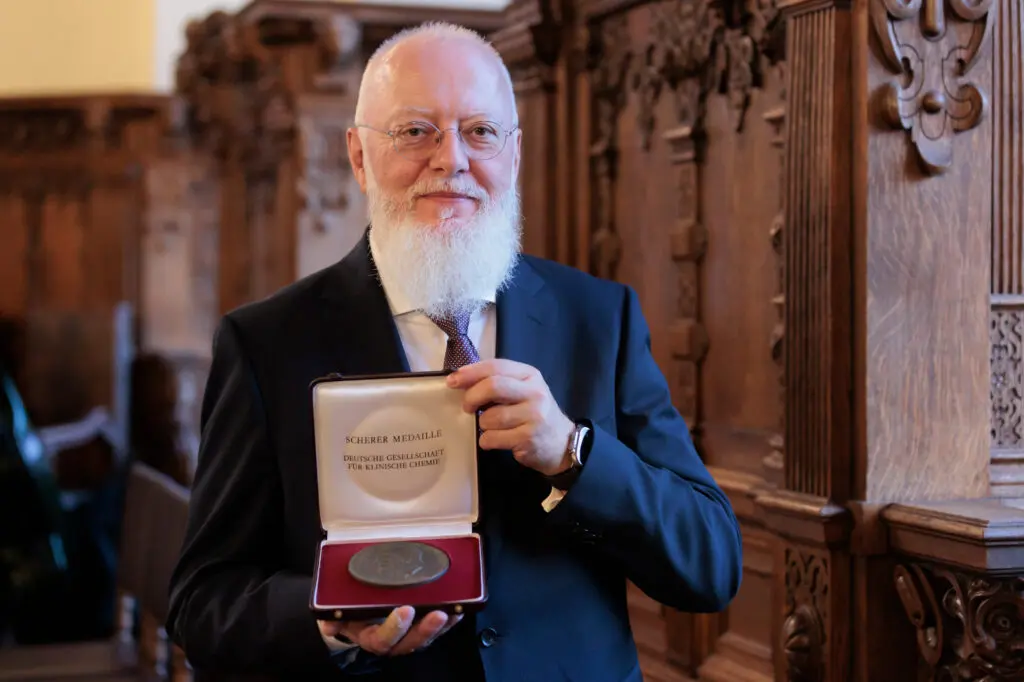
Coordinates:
419 140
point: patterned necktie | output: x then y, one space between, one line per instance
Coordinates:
460 350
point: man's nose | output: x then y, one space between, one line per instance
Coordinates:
450 155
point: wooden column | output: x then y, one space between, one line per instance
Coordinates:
887 304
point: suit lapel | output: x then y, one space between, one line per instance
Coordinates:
526 324
358 325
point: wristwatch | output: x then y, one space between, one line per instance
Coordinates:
577 449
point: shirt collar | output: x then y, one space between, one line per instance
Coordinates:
397 300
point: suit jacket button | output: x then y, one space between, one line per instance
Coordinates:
488 636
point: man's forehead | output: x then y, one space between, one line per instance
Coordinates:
442 79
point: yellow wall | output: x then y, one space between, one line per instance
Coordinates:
69 46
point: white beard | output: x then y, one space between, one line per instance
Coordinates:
444 269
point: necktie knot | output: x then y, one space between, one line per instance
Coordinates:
455 325
459 350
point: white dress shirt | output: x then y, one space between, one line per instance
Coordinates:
424 344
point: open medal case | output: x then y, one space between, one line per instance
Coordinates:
396 470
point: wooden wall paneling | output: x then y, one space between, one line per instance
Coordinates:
14 256
918 179
85 181
882 348
960 569
823 332
1007 287
681 123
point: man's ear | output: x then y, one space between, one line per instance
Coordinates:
355 157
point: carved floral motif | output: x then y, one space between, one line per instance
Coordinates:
974 632
932 45
1006 336
703 46
803 630
239 103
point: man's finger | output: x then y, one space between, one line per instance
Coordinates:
496 389
504 439
421 634
452 622
351 628
331 628
505 416
468 375
380 639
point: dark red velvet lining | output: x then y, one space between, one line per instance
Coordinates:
336 589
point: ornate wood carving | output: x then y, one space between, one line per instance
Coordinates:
1007 337
694 48
970 627
240 103
689 339
79 125
531 43
608 60
932 45
706 46
776 117
803 630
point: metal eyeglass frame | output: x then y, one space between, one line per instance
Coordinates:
439 137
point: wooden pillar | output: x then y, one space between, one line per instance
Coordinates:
886 243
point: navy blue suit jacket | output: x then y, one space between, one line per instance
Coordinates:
644 508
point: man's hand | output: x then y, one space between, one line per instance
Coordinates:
395 636
520 415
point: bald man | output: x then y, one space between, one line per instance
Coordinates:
588 476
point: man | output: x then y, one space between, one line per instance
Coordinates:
588 476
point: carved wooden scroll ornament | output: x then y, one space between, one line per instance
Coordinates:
933 45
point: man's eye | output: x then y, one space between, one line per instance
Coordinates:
482 131
413 131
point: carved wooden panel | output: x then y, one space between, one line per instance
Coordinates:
803 636
1007 287
969 626
909 300
683 101
82 195
823 332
